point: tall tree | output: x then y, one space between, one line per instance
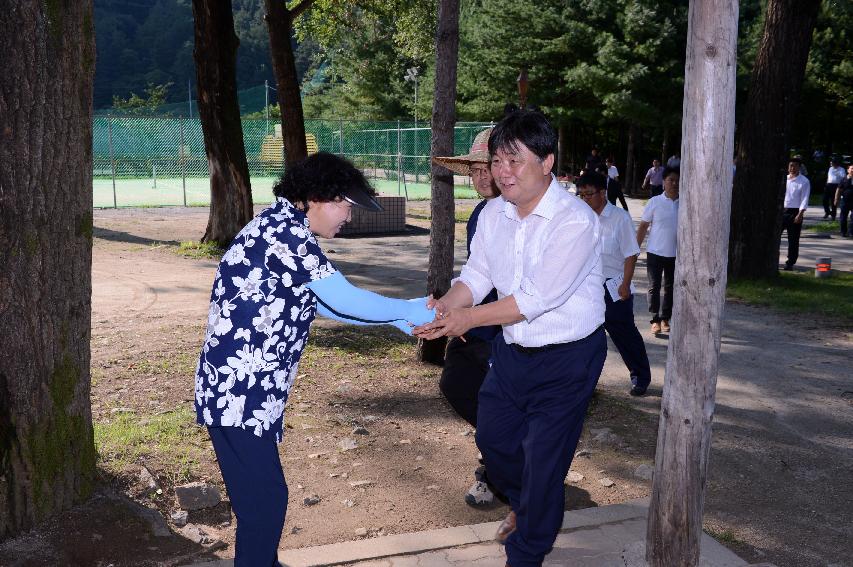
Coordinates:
47 451
443 224
215 55
687 408
280 24
774 90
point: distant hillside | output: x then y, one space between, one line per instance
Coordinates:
141 42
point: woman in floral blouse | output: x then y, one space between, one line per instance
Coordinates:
271 282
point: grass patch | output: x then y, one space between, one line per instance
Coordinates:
726 537
800 292
460 216
200 250
171 437
824 226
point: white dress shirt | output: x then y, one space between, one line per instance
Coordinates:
549 261
797 191
612 172
618 240
835 174
662 213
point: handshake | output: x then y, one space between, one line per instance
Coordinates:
430 318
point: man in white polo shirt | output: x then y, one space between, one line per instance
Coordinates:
797 191
619 252
661 214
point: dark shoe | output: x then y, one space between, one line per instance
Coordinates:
788 268
506 528
637 391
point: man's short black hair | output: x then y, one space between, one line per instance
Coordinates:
592 179
797 160
320 177
667 171
526 127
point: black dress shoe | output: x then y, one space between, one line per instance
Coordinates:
637 391
788 268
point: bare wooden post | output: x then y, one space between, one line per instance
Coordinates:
684 437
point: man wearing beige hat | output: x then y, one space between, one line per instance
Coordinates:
466 361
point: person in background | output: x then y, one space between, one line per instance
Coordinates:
466 360
654 179
273 279
844 200
674 161
612 172
614 188
834 176
797 192
619 251
660 220
593 160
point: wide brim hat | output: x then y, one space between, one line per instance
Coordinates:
462 164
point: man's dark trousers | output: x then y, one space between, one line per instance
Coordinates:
465 366
655 190
531 411
794 230
661 271
829 199
251 469
844 212
619 324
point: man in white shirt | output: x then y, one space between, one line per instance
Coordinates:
661 214
539 247
797 191
619 252
612 172
834 176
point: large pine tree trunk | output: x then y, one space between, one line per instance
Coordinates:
774 90
215 55
279 23
443 224
687 407
630 182
47 451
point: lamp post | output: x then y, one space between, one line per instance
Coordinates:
412 75
522 87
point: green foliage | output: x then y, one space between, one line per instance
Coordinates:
155 96
200 250
800 293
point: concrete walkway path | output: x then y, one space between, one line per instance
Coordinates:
608 536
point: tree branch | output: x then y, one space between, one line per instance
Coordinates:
297 10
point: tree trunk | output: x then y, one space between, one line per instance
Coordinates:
215 55
443 224
47 450
561 148
279 23
687 408
774 90
630 184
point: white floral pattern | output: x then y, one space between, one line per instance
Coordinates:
258 322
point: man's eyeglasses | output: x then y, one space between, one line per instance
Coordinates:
586 194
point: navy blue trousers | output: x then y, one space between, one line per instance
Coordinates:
619 324
529 419
255 481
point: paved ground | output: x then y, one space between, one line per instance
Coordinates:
596 537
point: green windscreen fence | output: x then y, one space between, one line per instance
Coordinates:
160 161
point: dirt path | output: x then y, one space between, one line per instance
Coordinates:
780 483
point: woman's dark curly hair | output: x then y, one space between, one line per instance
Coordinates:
320 177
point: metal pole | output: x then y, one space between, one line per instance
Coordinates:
154 172
399 158
112 159
267 105
341 136
183 163
417 179
190 96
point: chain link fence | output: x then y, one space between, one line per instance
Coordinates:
148 161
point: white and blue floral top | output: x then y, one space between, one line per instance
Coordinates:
260 313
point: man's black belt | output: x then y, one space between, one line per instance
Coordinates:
545 348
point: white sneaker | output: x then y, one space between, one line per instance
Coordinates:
479 495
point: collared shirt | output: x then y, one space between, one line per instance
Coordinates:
662 213
489 332
549 261
618 240
797 191
612 172
836 174
257 326
655 175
